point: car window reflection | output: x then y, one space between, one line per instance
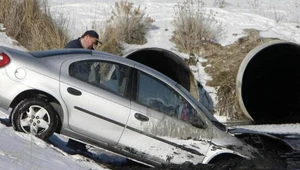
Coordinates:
112 77
160 97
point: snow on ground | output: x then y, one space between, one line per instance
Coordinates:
289 129
7 41
276 18
23 151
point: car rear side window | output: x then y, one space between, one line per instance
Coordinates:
110 76
158 96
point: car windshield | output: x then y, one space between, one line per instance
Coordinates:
203 109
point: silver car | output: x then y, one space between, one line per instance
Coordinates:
113 103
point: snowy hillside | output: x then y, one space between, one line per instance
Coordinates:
276 19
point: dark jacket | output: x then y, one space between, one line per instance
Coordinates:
74 44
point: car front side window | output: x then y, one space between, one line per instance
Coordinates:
158 96
110 76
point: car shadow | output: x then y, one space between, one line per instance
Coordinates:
98 155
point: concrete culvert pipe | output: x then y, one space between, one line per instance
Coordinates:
268 83
174 67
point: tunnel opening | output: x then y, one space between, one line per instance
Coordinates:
270 83
165 62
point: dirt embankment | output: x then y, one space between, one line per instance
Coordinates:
222 64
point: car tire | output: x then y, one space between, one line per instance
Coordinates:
35 116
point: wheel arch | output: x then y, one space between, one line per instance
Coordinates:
42 95
223 156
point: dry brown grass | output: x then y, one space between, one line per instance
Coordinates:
30 26
111 42
194 25
128 24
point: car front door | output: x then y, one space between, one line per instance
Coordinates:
94 93
162 125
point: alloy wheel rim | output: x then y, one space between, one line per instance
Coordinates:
35 120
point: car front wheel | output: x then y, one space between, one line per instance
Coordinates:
35 116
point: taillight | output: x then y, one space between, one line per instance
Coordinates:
4 59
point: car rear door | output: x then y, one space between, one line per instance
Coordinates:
94 92
162 125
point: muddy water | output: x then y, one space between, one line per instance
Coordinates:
270 162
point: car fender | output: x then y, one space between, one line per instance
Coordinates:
31 84
213 152
10 95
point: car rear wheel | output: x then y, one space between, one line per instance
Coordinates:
35 116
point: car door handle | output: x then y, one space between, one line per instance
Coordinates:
74 91
141 117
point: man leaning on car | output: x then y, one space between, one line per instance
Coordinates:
87 41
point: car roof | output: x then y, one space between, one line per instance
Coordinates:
55 52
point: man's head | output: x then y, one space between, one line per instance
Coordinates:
89 39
